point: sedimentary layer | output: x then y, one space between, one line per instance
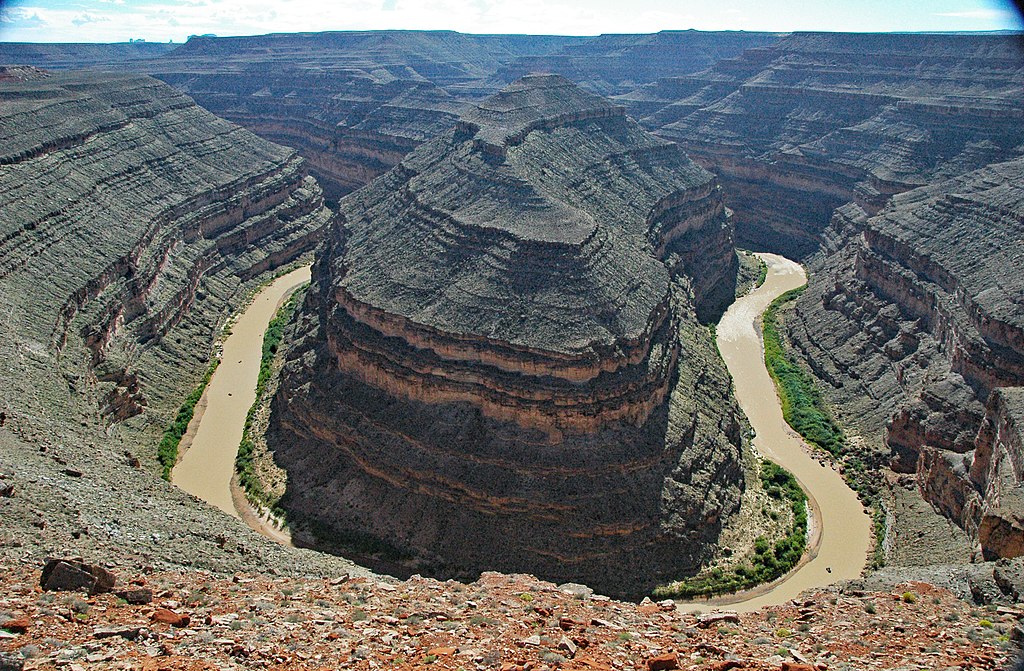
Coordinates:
134 223
355 103
915 322
799 127
501 365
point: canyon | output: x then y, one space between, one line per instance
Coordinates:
506 335
134 224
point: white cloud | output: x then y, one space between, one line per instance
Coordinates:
83 19
982 14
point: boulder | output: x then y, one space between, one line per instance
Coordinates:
71 575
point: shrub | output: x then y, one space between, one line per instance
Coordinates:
243 461
167 449
802 405
768 561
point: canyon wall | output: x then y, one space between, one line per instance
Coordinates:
355 103
914 319
500 363
800 127
134 223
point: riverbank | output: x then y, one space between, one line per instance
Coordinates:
840 529
206 468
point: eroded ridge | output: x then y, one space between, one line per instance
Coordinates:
918 326
502 365
126 206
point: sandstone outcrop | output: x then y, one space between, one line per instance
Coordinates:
501 365
915 322
800 127
134 223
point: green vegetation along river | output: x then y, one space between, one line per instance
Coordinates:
840 529
207 466
840 533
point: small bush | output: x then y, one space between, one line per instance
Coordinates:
167 449
768 561
802 405
243 461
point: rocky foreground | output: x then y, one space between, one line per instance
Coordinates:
161 620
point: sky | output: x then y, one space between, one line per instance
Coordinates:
175 20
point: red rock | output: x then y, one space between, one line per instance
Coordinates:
648 608
727 664
715 618
664 662
440 652
170 617
19 625
795 666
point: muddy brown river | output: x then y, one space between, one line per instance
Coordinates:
207 466
840 528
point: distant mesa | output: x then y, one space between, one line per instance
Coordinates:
502 365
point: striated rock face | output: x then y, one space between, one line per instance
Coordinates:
917 317
70 56
350 126
133 224
352 103
816 120
355 103
997 472
502 367
616 64
131 219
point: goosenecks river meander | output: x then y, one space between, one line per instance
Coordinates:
840 528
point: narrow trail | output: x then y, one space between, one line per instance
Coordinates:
840 528
206 468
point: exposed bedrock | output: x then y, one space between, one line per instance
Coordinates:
355 103
350 125
131 219
915 321
133 224
501 365
796 128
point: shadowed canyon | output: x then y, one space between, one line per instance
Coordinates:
506 358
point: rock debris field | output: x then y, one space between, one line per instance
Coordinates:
509 622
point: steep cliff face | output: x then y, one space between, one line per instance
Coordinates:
131 219
502 367
616 64
915 318
133 224
71 56
997 472
353 104
349 125
800 127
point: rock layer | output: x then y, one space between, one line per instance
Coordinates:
915 320
502 366
134 223
800 127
